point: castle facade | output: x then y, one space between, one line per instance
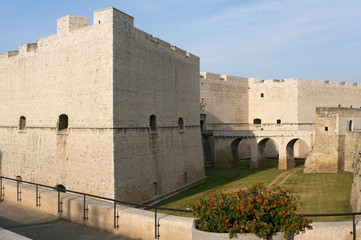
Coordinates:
105 109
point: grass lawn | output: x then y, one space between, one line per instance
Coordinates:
321 193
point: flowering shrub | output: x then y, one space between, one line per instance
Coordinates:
254 210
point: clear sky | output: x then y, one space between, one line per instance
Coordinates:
266 39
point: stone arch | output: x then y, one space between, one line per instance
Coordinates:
234 149
240 148
266 148
290 151
244 150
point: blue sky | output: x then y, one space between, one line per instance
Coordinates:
314 39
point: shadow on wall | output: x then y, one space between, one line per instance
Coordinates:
1 158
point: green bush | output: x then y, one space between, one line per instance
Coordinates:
254 210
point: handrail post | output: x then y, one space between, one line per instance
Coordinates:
60 209
354 227
116 217
18 191
36 196
84 209
156 224
1 188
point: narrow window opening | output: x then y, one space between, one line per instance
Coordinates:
202 124
262 95
153 123
257 121
350 126
326 129
22 123
279 121
60 188
185 178
181 124
155 188
99 22
63 122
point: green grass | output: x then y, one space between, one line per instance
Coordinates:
321 193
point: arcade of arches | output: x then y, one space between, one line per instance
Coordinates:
259 150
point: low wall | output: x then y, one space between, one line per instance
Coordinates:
331 231
139 224
133 223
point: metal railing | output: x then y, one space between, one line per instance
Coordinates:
85 196
116 216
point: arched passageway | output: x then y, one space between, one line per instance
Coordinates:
266 149
296 150
241 151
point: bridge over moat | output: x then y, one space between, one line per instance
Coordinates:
226 153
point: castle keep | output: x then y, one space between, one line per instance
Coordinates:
105 109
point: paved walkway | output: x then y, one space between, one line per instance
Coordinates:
37 225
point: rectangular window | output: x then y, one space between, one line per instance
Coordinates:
326 129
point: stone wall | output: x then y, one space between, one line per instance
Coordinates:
224 101
354 158
115 83
277 105
66 73
274 102
152 77
334 142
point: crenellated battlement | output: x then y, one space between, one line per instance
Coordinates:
109 17
225 78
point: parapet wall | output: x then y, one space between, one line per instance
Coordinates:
136 223
133 223
71 23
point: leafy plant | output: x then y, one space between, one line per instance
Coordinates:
255 210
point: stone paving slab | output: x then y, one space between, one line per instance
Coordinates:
37 225
7 235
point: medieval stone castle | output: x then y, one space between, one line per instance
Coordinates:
110 110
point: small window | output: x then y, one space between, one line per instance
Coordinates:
153 123
60 188
257 121
262 94
279 121
185 177
202 124
155 188
19 178
181 124
63 122
350 126
326 129
22 123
